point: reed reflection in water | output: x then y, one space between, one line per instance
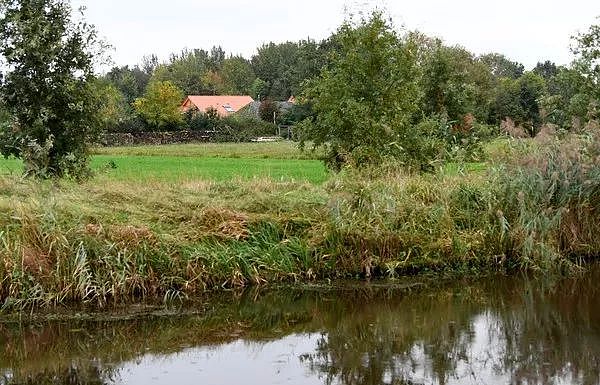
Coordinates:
493 331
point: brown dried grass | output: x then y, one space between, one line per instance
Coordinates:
132 236
516 131
218 222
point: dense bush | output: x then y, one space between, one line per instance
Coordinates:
269 111
234 128
548 201
130 124
441 140
243 129
296 114
194 120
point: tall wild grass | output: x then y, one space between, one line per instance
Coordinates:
548 202
105 241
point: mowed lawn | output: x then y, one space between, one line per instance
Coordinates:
218 162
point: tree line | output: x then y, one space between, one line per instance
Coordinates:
275 73
370 90
451 81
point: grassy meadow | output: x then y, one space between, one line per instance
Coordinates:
169 222
212 161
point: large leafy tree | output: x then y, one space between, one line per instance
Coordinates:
532 88
547 69
519 99
284 67
365 98
160 105
186 70
115 110
446 82
238 76
568 99
47 86
573 93
587 49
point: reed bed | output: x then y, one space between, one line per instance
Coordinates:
109 241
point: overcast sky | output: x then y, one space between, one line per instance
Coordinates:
524 30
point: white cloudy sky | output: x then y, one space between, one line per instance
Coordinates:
524 30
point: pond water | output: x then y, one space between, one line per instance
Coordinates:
496 330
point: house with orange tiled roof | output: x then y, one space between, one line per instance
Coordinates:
225 105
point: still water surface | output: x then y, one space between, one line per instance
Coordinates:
493 331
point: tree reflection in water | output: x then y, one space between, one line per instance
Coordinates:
525 332
499 330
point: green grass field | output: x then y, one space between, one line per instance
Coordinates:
279 161
218 162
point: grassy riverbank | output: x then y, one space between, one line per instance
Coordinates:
129 238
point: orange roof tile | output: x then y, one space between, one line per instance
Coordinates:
224 104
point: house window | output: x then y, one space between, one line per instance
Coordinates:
228 108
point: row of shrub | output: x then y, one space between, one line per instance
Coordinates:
234 128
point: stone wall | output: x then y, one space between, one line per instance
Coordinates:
155 138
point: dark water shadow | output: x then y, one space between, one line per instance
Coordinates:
493 331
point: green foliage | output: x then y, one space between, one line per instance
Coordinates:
507 102
572 98
502 67
241 128
47 87
199 72
441 139
213 83
587 50
233 128
532 88
259 89
197 121
238 76
519 99
5 118
365 98
114 110
160 106
296 114
453 81
563 102
131 82
446 82
185 71
547 70
284 67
